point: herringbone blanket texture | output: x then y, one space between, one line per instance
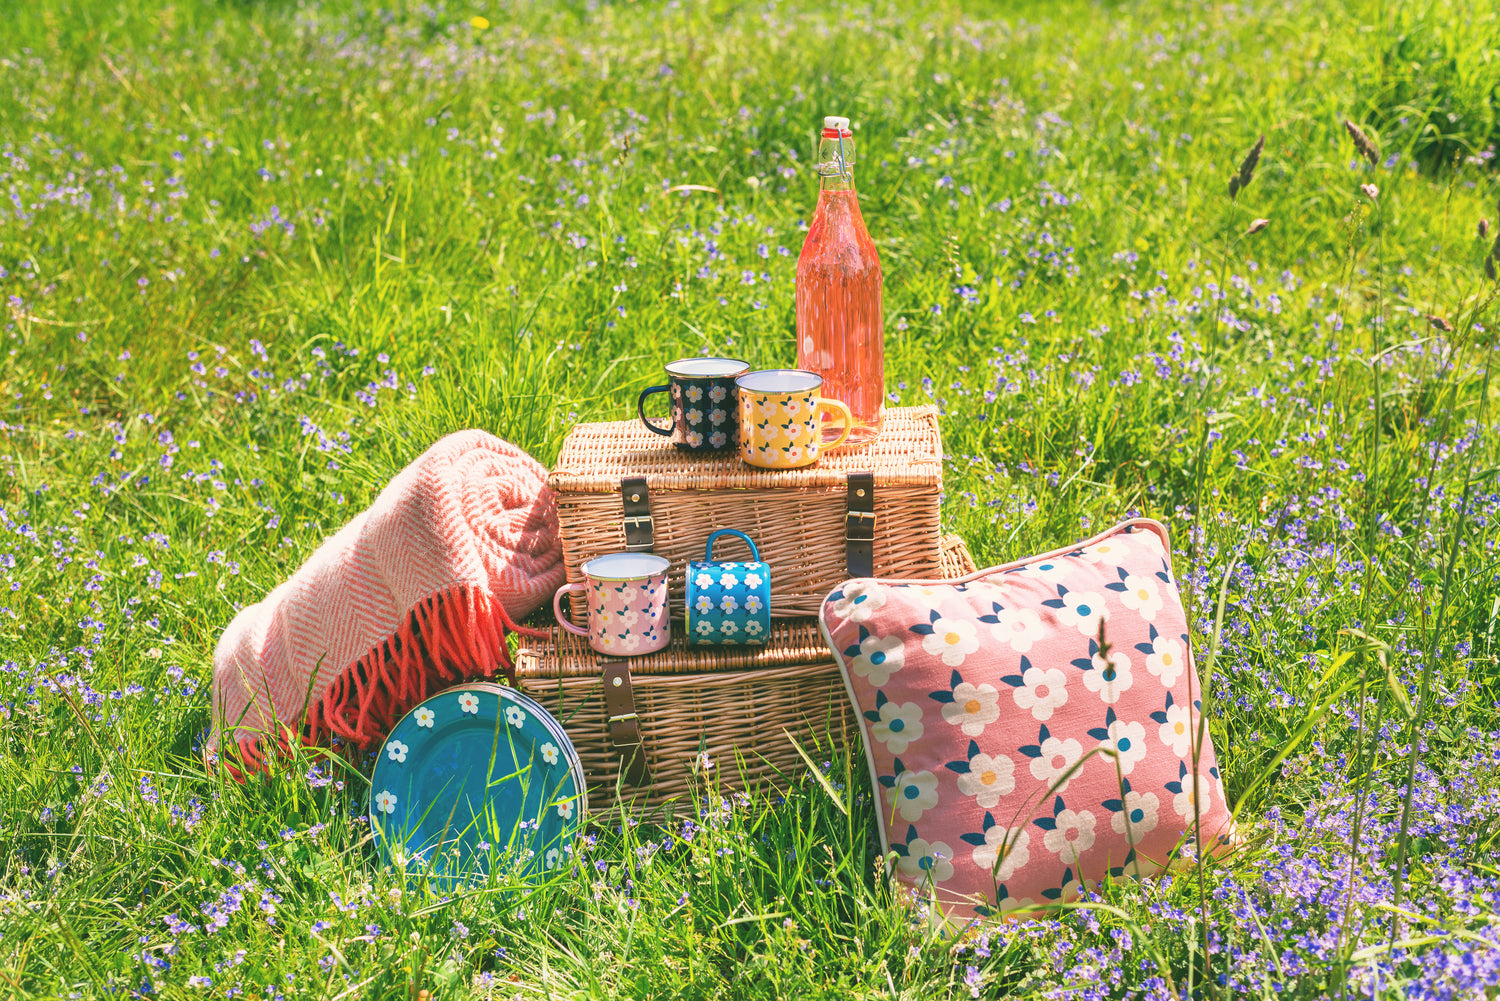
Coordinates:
415 593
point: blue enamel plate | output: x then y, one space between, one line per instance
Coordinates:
477 778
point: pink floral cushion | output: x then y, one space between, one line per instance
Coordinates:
978 697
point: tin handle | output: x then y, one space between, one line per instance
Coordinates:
562 619
708 550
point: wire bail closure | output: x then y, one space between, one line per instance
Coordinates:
839 165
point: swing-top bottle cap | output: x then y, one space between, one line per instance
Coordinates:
835 122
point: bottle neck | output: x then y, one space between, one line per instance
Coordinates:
835 161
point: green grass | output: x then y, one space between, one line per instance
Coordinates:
310 197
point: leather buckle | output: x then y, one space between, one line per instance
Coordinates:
623 723
859 525
640 530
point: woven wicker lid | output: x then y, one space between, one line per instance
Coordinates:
595 457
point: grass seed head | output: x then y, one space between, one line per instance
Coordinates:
1362 143
1241 178
1484 228
1247 165
1438 323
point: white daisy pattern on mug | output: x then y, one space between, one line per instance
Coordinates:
425 717
469 703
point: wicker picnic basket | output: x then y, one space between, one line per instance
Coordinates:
621 487
736 703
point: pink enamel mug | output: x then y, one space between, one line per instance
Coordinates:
627 602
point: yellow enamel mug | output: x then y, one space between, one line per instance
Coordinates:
781 418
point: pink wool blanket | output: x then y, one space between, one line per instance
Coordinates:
416 592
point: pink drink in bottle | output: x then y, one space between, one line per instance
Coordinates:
840 333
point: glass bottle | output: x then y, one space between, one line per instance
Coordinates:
840 331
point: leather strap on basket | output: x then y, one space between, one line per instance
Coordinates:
859 526
638 528
624 724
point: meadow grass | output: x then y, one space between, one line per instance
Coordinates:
257 256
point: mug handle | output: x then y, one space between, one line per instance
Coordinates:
557 608
843 411
640 408
708 550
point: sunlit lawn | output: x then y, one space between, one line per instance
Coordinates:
257 256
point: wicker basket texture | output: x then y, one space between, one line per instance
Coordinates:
795 516
736 704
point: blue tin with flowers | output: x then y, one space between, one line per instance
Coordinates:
728 601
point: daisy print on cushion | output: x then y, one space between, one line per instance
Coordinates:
1030 729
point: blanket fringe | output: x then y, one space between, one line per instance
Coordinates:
453 635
